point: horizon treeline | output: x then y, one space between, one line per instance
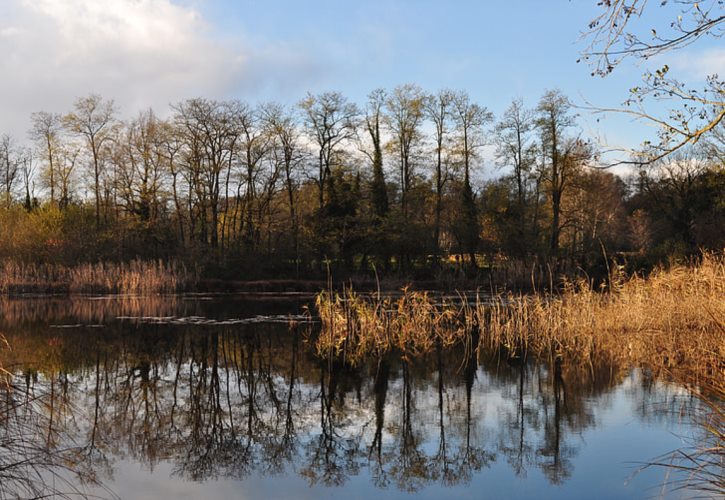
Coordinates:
394 184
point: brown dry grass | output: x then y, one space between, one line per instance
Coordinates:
355 325
134 277
672 321
699 465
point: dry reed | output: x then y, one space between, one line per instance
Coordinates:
134 277
672 320
355 325
699 465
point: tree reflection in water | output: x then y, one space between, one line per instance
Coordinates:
230 401
39 455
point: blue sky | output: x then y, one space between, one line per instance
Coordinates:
154 52
495 54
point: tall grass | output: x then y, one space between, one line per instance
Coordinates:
672 320
700 465
356 325
134 277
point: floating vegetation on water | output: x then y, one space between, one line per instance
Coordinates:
75 325
201 320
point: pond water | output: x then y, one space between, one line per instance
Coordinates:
218 397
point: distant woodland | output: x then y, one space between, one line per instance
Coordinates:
408 183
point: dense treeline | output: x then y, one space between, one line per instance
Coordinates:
396 185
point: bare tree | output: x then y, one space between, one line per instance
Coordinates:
46 130
288 154
330 121
514 145
438 110
553 118
617 34
171 144
254 144
27 169
67 156
714 147
405 113
210 131
141 165
515 148
470 120
93 119
9 163
593 215
613 37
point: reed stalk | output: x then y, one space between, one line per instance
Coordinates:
134 277
670 321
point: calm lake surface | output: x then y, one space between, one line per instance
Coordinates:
218 397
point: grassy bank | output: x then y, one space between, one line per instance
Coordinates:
134 277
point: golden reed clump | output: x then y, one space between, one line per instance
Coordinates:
673 320
355 326
134 277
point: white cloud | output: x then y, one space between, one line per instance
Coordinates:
139 52
698 65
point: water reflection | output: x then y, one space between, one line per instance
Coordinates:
234 401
